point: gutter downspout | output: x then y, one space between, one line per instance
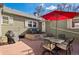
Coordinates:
1 21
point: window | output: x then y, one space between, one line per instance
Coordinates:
34 24
5 19
73 24
31 24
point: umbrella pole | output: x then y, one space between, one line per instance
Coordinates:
56 29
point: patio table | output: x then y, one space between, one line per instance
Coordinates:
55 41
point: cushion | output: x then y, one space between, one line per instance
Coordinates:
49 47
62 46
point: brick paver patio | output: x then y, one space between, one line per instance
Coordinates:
36 46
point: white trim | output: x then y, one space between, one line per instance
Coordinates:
69 23
0 30
43 27
26 23
7 17
10 19
1 21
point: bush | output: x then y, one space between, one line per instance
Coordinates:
34 31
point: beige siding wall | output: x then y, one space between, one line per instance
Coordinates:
18 25
61 24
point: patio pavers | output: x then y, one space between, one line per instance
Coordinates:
18 48
36 46
75 47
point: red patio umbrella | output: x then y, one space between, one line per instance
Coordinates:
59 15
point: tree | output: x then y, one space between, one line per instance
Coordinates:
61 6
39 10
65 7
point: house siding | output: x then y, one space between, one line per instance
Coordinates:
18 22
18 25
63 25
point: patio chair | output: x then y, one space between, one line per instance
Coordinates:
48 47
62 36
49 35
66 46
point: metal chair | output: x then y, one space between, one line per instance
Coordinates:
66 46
62 36
48 47
49 35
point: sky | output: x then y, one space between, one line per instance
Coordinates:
30 7
25 7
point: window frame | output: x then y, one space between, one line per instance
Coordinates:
9 20
70 24
32 24
5 19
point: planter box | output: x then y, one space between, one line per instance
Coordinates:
34 36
